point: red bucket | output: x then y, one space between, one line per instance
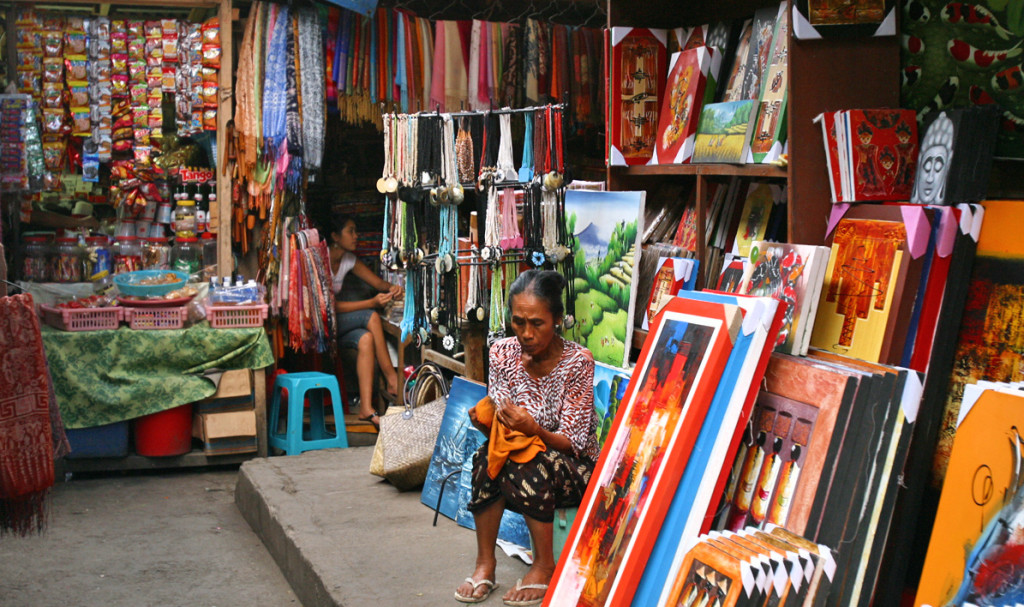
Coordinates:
164 433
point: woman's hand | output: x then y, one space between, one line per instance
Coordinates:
381 299
396 291
475 420
518 418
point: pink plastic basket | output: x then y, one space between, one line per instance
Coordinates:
148 319
236 317
82 319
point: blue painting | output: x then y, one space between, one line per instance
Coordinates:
610 385
446 462
513 525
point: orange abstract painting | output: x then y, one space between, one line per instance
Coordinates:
864 275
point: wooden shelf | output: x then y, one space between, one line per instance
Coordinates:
456 366
639 337
708 170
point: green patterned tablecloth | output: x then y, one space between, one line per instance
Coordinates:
102 377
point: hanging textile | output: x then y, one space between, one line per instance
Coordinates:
532 62
274 86
311 58
437 96
455 66
26 422
512 65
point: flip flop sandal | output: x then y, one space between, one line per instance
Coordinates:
491 587
370 418
525 603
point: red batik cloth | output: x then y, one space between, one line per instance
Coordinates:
26 437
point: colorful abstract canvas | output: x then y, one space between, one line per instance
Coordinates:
793 274
672 386
977 545
692 79
446 462
638 67
991 341
723 133
865 275
606 228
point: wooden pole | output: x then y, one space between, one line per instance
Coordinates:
224 115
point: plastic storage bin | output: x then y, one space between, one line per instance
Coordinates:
147 319
165 433
236 317
109 440
82 319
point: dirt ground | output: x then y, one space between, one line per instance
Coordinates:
156 538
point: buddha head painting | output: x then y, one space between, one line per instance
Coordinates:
933 162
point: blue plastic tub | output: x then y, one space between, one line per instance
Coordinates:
110 440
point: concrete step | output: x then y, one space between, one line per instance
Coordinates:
342 536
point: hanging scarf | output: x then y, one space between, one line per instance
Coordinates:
427 51
482 100
244 96
311 59
290 164
437 97
454 68
512 66
274 86
26 430
532 62
473 82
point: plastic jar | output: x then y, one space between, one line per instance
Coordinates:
156 253
185 219
36 265
186 255
127 252
97 259
67 263
209 244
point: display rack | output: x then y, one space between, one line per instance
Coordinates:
827 74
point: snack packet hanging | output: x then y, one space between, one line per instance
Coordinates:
77 67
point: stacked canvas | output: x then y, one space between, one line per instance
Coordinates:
822 457
753 567
638 67
692 78
661 469
871 154
673 274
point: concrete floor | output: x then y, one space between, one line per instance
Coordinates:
344 537
167 539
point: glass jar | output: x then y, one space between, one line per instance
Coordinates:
67 263
186 255
127 252
156 253
97 261
185 219
209 244
36 266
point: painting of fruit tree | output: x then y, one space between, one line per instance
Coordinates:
605 228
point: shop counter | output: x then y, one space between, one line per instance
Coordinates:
103 377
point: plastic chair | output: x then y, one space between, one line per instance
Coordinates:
295 439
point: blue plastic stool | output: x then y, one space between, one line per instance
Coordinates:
295 439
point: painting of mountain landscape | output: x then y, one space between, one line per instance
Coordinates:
606 228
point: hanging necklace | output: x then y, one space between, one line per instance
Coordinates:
464 152
506 166
526 167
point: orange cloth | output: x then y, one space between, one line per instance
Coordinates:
505 444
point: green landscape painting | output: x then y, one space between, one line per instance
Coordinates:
723 133
606 229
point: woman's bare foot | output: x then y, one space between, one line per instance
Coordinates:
535 576
483 571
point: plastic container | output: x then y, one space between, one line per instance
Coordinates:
82 319
185 218
236 317
165 433
127 253
150 319
108 440
36 264
97 259
187 255
67 262
128 284
156 254
209 246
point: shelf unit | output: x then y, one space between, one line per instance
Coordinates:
824 75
